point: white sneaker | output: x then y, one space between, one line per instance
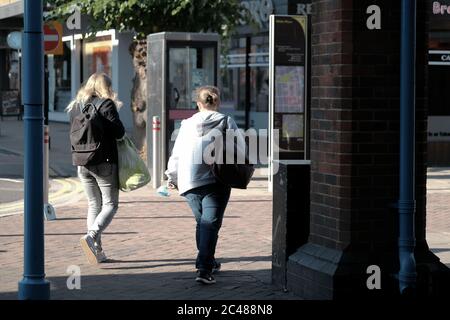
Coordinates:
88 246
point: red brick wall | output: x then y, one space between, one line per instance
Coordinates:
355 124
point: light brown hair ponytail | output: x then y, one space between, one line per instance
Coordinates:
208 96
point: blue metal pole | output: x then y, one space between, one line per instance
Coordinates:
33 285
407 205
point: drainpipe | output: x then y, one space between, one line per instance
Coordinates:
407 205
33 285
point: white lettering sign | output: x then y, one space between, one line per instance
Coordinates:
304 9
441 9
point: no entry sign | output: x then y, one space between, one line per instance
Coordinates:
53 38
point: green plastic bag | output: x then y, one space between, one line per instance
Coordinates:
133 172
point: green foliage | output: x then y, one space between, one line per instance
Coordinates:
150 16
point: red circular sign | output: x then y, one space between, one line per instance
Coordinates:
51 37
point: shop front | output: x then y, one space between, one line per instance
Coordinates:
245 69
82 56
438 84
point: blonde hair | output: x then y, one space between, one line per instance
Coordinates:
208 96
98 84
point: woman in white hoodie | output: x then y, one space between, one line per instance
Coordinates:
189 170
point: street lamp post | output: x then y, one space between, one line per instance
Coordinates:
33 285
407 205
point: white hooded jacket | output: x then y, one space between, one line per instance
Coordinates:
189 165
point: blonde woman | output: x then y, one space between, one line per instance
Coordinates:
195 181
95 126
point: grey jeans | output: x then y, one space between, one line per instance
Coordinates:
101 186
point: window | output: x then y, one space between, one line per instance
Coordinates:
97 56
61 78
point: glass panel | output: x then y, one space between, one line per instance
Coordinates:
233 81
189 68
259 87
259 97
62 75
97 56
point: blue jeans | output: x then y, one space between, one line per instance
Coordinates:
208 204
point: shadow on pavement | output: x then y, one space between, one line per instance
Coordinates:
64 234
175 201
139 218
236 285
177 262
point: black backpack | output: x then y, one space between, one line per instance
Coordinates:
86 132
232 174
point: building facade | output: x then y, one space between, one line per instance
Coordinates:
245 70
355 157
438 74
244 75
105 51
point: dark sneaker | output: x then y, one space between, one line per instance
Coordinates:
217 267
205 277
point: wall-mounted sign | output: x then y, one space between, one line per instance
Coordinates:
300 7
439 58
440 9
439 15
438 128
288 69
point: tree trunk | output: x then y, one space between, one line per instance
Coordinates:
138 50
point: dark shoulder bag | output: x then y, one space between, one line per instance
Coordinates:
232 174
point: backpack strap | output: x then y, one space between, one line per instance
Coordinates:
98 102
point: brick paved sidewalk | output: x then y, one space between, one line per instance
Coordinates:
152 247
438 213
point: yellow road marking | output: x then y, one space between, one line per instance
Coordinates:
68 187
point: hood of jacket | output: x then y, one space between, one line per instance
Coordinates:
206 121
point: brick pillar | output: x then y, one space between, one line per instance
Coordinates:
355 152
